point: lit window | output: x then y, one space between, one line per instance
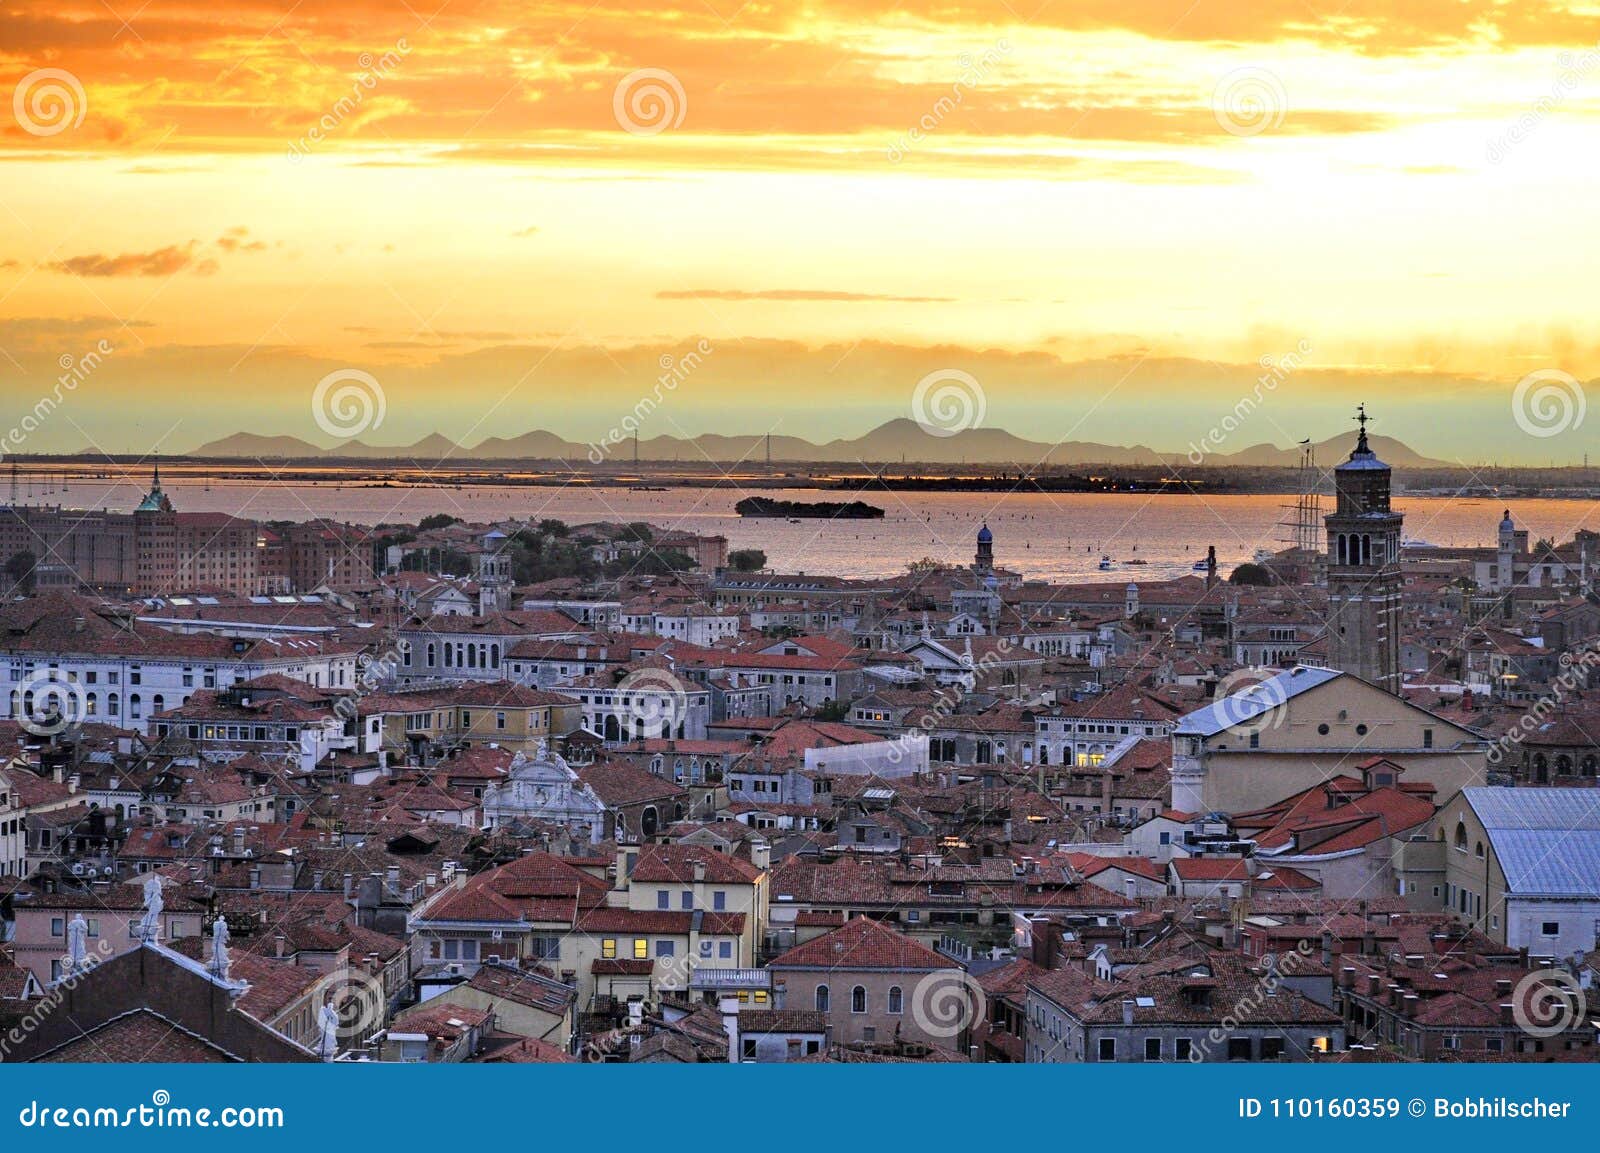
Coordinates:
608 947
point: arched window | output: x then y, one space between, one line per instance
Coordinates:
159 703
494 656
113 704
135 706
648 821
1564 765
1590 765
822 998
897 1000
1461 836
432 652
1478 851
858 999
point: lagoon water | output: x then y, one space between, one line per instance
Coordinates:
1048 536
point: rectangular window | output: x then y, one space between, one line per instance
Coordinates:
641 948
725 949
686 899
1180 1048
1551 928
663 899
719 900
665 948
608 947
1108 1048
1152 1048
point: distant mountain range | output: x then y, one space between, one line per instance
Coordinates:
897 440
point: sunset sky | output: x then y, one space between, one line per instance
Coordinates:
1107 213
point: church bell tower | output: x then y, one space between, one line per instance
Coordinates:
1364 569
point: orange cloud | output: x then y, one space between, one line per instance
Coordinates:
168 261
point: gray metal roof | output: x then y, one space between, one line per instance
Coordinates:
1255 701
1546 840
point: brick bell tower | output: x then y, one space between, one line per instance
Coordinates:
1364 569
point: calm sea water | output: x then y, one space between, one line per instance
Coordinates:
1046 536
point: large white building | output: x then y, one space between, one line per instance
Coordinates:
58 654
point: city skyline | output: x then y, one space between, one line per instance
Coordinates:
1113 222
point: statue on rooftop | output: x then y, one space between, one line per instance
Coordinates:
150 925
219 948
77 944
328 1022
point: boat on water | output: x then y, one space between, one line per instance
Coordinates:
1106 564
1199 566
1136 560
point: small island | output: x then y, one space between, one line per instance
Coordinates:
815 510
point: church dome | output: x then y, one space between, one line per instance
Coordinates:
984 535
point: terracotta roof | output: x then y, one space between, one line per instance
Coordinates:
863 943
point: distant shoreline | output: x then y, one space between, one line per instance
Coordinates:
1234 480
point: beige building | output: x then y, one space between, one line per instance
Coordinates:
876 986
1289 732
1521 866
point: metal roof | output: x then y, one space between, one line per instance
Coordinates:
1255 701
1546 840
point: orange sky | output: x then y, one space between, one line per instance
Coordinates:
1106 213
